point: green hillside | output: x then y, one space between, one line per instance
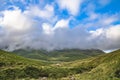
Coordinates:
101 67
59 55
13 66
10 59
104 67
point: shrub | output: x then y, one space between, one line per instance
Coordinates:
44 72
117 73
32 72
2 64
78 70
58 72
10 74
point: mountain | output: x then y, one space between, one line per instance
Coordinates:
101 67
59 55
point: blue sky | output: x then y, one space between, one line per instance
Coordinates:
58 24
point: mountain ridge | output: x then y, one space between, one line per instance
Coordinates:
59 55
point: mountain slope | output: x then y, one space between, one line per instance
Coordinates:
104 67
10 59
59 55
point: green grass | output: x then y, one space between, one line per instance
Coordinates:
64 55
102 67
9 59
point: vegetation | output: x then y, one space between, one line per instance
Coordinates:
101 67
64 55
8 59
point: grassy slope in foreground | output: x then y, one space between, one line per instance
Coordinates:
13 67
104 67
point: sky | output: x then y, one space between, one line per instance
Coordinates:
60 24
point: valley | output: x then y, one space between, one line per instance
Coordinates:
96 67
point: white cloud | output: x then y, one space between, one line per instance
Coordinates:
46 12
15 20
14 26
96 33
73 6
109 20
47 29
62 24
113 33
106 38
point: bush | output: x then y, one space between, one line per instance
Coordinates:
10 74
58 72
117 74
32 72
78 70
2 64
44 72
16 73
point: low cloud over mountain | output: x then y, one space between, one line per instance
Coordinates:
58 25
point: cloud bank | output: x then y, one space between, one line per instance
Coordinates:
43 28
